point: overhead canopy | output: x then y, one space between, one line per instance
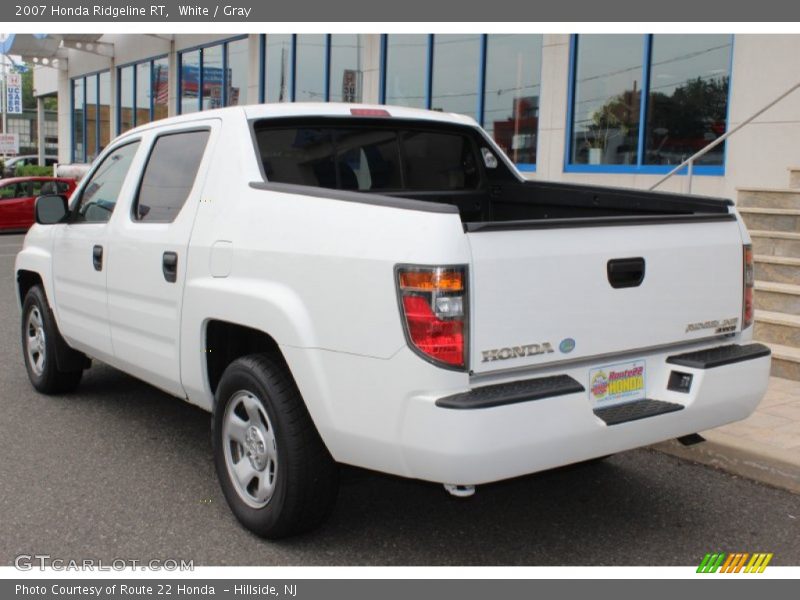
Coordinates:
50 49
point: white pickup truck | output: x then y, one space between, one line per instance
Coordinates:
380 287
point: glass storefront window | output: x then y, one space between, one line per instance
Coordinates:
311 50
126 118
606 101
683 81
190 81
406 65
104 109
213 77
456 59
78 113
512 92
688 98
278 62
237 72
143 93
91 117
160 88
347 68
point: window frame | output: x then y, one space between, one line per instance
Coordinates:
201 48
95 75
481 80
640 168
134 83
150 150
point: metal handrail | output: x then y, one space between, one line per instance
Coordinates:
689 162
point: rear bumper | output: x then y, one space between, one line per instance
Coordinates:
501 431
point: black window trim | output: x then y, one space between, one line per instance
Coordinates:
135 202
88 178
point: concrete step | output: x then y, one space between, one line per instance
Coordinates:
785 361
776 243
794 177
771 219
768 197
780 269
778 297
777 328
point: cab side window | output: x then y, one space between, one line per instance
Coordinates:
99 197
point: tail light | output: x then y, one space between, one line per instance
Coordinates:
433 303
748 307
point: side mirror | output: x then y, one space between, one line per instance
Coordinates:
51 209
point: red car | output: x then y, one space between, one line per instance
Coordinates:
18 194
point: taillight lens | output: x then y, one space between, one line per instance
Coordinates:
748 308
433 302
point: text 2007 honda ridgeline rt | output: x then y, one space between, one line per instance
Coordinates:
379 287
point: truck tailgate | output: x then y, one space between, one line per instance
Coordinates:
545 294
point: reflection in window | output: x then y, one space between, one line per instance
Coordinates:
78 113
126 99
688 98
511 96
210 77
406 58
213 81
143 93
607 96
347 68
455 73
190 81
278 66
104 109
91 118
169 176
160 88
310 70
237 73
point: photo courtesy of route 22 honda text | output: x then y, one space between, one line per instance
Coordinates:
380 287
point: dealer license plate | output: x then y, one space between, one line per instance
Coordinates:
614 384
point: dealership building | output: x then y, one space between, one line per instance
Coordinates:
609 109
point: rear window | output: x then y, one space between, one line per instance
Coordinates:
368 158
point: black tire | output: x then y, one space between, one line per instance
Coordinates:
305 476
44 374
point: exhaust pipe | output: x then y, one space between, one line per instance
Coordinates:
459 491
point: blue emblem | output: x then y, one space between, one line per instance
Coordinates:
567 345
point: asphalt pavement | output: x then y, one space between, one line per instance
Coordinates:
121 470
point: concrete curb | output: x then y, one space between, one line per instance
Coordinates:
773 466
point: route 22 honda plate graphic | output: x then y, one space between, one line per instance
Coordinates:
612 384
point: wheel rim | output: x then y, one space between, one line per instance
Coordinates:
35 341
251 453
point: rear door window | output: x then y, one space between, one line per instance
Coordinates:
169 176
368 158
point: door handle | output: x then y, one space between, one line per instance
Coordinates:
169 265
97 258
625 272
